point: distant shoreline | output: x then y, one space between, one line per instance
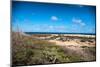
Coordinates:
87 35
59 33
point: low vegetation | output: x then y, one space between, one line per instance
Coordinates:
27 51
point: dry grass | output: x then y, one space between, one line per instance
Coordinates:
26 51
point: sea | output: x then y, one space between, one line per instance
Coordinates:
30 33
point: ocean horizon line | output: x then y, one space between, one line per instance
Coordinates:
58 33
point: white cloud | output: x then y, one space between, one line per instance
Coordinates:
83 24
54 18
78 21
48 28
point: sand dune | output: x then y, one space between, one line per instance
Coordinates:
72 43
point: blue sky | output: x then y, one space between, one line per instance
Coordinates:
44 17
